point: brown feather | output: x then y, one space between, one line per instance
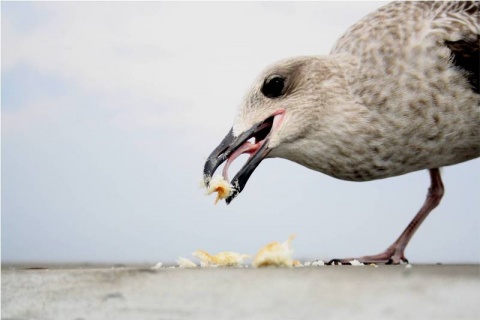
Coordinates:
466 55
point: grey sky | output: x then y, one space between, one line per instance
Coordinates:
109 110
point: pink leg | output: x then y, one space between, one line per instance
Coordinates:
395 253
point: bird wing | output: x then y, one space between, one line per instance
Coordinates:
403 44
458 24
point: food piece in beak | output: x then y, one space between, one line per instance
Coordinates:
220 186
231 147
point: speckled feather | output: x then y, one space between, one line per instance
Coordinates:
388 100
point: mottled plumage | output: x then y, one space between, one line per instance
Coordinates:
398 93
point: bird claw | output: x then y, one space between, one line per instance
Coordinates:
390 256
337 262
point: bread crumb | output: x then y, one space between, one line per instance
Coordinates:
221 259
185 263
219 185
297 263
355 262
275 254
317 263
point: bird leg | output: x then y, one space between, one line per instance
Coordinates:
395 253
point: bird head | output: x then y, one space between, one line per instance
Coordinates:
281 110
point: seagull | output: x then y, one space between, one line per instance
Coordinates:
398 93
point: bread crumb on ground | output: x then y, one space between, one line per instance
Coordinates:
317 263
221 259
275 254
185 263
355 262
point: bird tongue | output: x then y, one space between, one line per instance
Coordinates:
251 148
246 147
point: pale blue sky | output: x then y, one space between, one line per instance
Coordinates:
110 109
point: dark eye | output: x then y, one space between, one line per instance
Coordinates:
273 87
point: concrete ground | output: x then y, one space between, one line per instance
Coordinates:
327 292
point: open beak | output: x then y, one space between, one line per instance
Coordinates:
231 147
